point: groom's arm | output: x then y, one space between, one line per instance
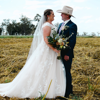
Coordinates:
72 40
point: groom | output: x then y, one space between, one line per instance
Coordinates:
67 56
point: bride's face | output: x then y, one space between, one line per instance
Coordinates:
51 16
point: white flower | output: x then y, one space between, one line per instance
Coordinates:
63 27
60 40
64 47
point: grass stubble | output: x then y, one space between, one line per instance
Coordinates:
85 68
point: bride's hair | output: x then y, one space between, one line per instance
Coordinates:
47 12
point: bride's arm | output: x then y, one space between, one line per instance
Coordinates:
46 32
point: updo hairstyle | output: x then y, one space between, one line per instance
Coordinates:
47 12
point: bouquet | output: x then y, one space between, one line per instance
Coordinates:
60 42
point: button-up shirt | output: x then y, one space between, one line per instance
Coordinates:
66 21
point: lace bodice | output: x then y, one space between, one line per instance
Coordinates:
50 25
47 24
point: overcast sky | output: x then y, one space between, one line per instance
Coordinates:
86 12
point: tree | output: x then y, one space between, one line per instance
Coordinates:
77 33
33 29
84 33
5 24
93 34
10 29
0 31
37 18
98 33
26 25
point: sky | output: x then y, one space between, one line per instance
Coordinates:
86 12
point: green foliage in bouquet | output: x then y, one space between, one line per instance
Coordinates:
59 41
53 39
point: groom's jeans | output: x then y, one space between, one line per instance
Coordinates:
69 86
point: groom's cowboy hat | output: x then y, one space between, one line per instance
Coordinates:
66 10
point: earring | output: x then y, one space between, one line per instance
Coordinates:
48 17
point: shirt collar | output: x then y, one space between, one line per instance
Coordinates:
66 21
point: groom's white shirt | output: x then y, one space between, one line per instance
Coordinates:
65 22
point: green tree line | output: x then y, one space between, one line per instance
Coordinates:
24 27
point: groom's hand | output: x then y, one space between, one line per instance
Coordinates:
66 57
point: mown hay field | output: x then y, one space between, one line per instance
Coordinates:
85 68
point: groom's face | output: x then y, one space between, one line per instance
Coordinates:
64 16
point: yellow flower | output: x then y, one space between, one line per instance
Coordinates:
61 46
63 38
67 42
66 45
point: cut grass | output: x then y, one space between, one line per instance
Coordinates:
85 67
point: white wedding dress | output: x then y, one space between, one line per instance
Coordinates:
36 74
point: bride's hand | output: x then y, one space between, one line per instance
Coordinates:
57 51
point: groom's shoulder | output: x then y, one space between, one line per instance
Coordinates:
73 24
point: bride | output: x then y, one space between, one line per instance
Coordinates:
40 68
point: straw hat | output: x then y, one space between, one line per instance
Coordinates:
67 10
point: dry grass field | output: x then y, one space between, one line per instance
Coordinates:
85 68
